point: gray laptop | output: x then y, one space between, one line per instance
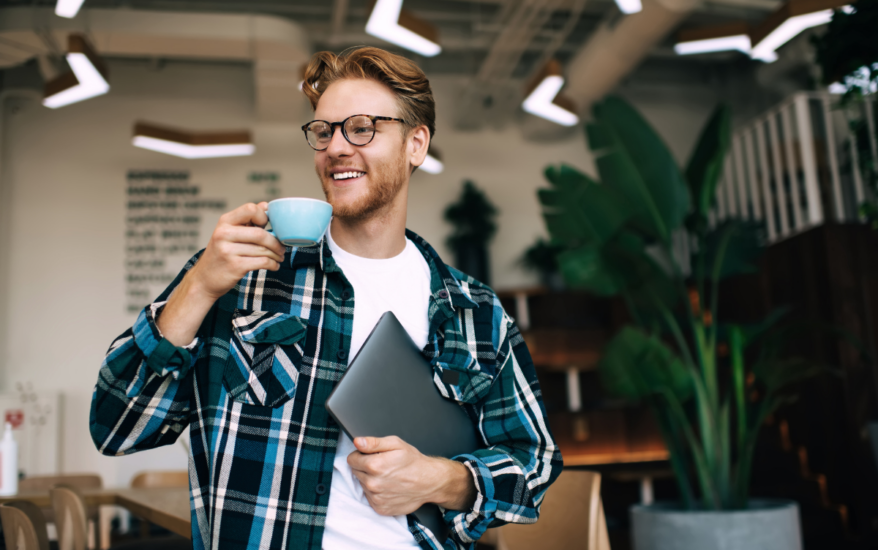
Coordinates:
388 390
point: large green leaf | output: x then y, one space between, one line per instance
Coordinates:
751 333
579 210
632 159
586 267
706 165
636 365
737 243
622 264
567 176
779 375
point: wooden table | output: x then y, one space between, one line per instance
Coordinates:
168 508
612 437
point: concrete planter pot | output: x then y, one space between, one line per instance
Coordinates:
766 525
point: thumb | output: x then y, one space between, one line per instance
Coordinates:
377 444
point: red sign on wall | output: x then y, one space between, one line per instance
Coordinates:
15 417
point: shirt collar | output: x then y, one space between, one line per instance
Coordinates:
444 286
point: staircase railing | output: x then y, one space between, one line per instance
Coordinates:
796 166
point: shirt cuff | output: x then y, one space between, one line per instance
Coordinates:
469 526
161 355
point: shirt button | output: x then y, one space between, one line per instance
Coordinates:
443 294
320 489
342 354
346 295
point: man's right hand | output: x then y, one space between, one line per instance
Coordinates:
239 245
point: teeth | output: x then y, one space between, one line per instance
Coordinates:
347 175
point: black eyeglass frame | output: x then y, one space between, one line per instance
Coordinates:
344 132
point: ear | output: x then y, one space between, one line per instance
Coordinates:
418 145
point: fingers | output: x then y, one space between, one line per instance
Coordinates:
250 235
373 465
253 251
247 214
246 264
359 463
371 485
379 444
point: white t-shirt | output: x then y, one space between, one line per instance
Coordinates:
402 285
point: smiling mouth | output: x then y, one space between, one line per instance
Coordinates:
347 175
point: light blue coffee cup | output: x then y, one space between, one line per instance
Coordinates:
299 221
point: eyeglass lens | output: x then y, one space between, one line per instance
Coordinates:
357 129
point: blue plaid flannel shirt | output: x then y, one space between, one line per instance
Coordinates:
252 387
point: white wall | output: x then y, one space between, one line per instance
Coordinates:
63 191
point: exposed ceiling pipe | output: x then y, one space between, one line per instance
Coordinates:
618 46
492 82
339 16
576 9
277 47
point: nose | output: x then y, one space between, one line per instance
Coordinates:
338 145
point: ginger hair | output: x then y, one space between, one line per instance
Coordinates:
414 98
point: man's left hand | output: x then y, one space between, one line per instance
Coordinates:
397 479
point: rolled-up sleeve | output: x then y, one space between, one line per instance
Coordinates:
142 396
521 460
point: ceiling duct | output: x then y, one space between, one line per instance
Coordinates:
618 46
276 47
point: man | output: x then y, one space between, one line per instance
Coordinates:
247 343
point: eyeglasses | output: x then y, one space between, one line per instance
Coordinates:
357 129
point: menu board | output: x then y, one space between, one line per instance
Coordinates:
163 228
266 184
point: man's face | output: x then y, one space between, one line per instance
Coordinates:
380 168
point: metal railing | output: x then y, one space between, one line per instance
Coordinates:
796 166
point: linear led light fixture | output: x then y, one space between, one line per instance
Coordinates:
629 6
721 38
787 22
87 79
68 8
544 100
192 145
388 21
433 162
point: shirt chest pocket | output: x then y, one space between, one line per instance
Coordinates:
464 385
265 353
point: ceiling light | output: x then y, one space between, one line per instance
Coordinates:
544 100
192 145
714 39
68 8
629 6
787 22
87 79
390 22
433 162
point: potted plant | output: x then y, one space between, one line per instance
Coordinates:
542 258
617 240
472 217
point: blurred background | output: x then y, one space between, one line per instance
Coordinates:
675 199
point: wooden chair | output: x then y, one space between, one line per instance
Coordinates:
70 518
79 481
571 516
24 526
155 479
